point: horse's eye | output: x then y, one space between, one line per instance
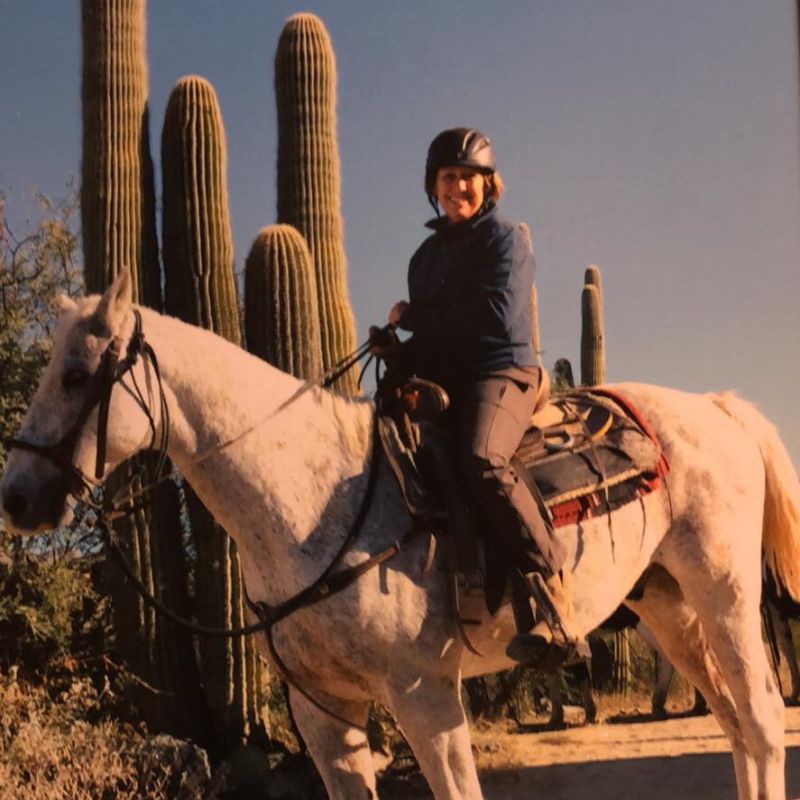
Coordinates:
74 378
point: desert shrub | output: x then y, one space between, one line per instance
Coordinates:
49 750
48 609
70 747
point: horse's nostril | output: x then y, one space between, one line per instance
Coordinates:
15 504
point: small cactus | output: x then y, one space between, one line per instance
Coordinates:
593 366
563 379
308 174
536 340
281 313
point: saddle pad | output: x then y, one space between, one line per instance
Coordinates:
613 460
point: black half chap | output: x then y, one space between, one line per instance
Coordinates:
494 415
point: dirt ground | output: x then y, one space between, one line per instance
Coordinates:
625 756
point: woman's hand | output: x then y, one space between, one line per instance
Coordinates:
397 312
382 341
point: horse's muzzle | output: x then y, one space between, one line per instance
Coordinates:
30 506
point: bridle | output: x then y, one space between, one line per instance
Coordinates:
110 371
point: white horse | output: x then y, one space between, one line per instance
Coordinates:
283 470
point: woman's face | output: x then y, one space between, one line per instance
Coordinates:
459 192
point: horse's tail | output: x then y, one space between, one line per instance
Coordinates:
781 532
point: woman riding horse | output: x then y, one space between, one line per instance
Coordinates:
469 311
285 469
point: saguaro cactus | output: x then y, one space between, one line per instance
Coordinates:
593 366
198 244
536 340
593 372
118 221
281 313
591 276
117 198
201 289
308 174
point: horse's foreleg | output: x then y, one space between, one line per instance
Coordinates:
431 717
677 630
340 751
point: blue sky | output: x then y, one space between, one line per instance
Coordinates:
657 139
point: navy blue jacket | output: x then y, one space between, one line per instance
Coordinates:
469 301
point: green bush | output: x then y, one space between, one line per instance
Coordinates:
47 608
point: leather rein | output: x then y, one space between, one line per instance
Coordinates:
111 371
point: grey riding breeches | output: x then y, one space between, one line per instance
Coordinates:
493 415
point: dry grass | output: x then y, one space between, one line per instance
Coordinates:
53 749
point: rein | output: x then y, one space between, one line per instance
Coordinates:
324 586
111 371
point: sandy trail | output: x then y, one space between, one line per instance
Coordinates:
686 758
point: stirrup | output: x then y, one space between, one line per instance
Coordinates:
531 650
556 621
536 651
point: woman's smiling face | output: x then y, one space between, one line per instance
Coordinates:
459 192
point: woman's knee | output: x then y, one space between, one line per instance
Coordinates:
482 467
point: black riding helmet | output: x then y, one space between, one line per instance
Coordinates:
457 147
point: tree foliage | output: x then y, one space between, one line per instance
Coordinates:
36 266
41 594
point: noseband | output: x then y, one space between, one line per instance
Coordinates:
110 372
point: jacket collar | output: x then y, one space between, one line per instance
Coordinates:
444 226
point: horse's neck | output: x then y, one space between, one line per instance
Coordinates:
277 466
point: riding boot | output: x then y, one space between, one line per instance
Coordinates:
551 641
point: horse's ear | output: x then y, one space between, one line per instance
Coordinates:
115 304
66 304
